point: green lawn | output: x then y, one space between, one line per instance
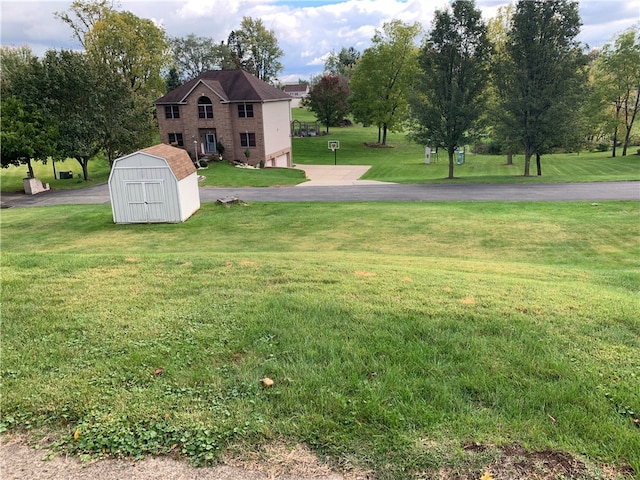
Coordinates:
401 162
396 333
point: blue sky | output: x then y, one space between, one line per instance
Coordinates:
306 30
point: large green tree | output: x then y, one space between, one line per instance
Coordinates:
618 83
255 49
328 100
83 15
26 134
341 64
541 76
193 55
454 65
133 47
382 77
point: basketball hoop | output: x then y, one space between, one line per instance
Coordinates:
334 145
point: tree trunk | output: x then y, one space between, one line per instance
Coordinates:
527 163
509 158
379 134
629 125
538 166
451 162
29 169
384 134
84 163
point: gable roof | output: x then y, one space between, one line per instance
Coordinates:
297 87
229 86
177 158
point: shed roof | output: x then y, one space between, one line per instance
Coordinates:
229 85
177 158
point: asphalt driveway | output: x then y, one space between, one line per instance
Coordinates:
328 183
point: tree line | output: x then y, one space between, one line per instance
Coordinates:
77 104
521 82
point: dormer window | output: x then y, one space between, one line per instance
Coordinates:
245 110
205 108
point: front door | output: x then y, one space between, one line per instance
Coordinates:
210 142
146 201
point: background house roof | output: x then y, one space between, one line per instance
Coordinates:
297 87
177 158
230 86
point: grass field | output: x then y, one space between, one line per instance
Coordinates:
401 162
397 334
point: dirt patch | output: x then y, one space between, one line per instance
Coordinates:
377 145
515 463
361 273
279 460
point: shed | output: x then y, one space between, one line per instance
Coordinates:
158 184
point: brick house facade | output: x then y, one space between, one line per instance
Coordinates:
232 108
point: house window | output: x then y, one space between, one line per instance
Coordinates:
245 110
248 139
176 139
171 111
205 108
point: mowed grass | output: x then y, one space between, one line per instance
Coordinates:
401 161
395 333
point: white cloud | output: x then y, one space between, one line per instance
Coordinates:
306 33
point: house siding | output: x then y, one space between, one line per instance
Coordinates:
270 121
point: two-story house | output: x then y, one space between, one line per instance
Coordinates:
231 108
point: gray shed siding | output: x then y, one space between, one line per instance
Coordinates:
144 189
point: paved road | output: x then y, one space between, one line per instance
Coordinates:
591 192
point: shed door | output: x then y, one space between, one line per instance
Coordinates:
146 201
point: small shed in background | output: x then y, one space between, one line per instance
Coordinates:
158 184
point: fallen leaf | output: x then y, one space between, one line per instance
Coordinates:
266 382
76 434
486 476
553 420
158 371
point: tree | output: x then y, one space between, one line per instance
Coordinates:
25 134
541 76
618 67
131 46
73 95
498 28
172 79
83 15
193 55
382 77
255 49
328 100
454 64
342 64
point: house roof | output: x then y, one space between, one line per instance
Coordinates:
229 86
298 87
177 158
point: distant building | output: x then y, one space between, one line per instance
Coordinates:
232 109
298 90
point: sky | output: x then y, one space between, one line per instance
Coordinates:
307 30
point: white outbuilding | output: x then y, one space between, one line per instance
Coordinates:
158 184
